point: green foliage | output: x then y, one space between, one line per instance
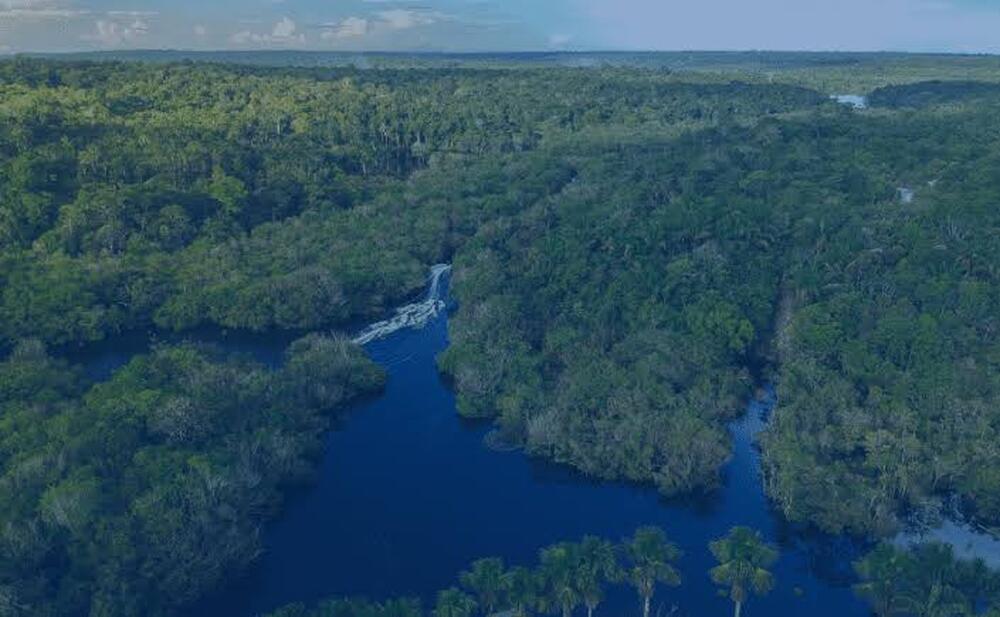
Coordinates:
522 590
883 573
354 607
205 194
486 580
558 568
632 247
650 561
150 489
567 574
598 565
888 380
924 581
743 558
454 603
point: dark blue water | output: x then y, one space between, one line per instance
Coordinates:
408 495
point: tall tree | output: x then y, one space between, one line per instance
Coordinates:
558 567
743 558
486 580
521 586
597 565
454 602
650 561
881 575
399 607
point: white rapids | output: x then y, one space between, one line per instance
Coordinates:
855 101
415 315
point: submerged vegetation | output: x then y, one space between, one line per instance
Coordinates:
634 250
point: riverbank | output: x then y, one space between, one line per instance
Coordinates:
407 495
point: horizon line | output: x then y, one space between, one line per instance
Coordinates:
427 52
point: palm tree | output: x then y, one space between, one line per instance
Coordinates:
650 561
558 567
485 579
881 573
399 607
521 589
743 558
597 565
454 602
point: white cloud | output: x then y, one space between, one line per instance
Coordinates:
39 14
404 19
380 22
921 25
351 27
284 32
37 10
111 33
24 4
283 29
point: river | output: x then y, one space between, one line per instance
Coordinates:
407 495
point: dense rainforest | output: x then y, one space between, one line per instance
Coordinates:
136 196
140 493
635 249
613 325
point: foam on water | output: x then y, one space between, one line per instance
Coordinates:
856 101
415 315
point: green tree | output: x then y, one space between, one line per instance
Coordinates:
558 568
882 573
454 602
743 558
230 192
521 586
597 565
932 583
650 561
486 580
400 607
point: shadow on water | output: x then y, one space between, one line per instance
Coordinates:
407 495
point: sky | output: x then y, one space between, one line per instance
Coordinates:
501 25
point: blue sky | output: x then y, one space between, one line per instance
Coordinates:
486 25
